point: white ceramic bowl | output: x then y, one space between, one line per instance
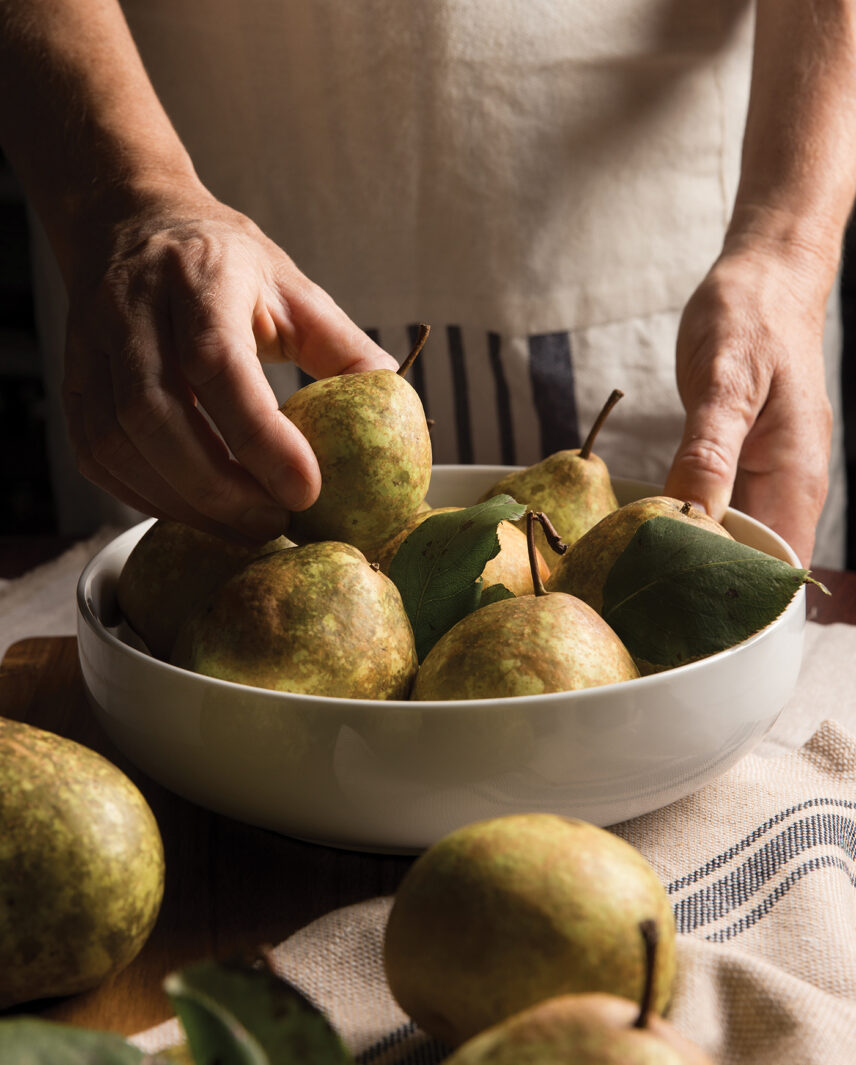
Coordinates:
396 776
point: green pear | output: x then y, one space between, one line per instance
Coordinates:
172 569
510 567
527 645
371 439
317 619
587 1029
501 914
572 487
583 569
81 866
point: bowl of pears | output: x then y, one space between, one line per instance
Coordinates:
436 645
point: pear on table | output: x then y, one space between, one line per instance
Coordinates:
572 487
501 914
593 1028
370 436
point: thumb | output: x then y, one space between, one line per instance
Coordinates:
705 465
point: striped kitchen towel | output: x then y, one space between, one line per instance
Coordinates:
761 865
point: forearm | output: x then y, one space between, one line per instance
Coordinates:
798 171
79 119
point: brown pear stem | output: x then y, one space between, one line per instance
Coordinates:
554 541
614 397
650 937
537 583
424 330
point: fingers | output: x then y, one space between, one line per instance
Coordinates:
185 316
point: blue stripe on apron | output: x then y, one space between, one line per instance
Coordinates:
552 376
505 425
463 429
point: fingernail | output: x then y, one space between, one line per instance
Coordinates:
264 523
291 488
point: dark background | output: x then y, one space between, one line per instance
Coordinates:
26 504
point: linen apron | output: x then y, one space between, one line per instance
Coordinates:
544 181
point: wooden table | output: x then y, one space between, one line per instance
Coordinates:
229 887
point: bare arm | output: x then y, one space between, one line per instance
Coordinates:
749 360
173 295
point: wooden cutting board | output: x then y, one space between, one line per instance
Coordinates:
229 887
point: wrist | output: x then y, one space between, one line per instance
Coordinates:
806 249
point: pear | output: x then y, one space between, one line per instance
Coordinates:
583 570
593 1028
527 645
572 487
510 567
81 866
371 439
501 914
317 619
171 570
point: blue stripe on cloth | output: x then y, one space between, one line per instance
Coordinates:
508 452
406 1045
552 376
822 861
720 860
460 392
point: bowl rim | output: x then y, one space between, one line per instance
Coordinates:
88 616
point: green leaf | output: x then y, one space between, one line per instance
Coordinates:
240 1014
35 1041
493 593
438 566
679 592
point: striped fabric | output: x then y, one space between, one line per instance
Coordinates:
761 867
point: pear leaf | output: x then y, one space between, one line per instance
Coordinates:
36 1041
437 568
679 592
234 1013
493 593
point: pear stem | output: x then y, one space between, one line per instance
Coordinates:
553 539
537 583
424 330
650 937
614 397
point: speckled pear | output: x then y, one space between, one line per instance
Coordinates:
371 439
585 1029
170 571
501 914
316 619
81 866
572 487
582 570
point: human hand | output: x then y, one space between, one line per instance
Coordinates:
179 302
751 376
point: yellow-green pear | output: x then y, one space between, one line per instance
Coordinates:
317 619
370 436
170 571
583 569
501 914
587 1029
81 866
572 487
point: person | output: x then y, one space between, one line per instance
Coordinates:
559 190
